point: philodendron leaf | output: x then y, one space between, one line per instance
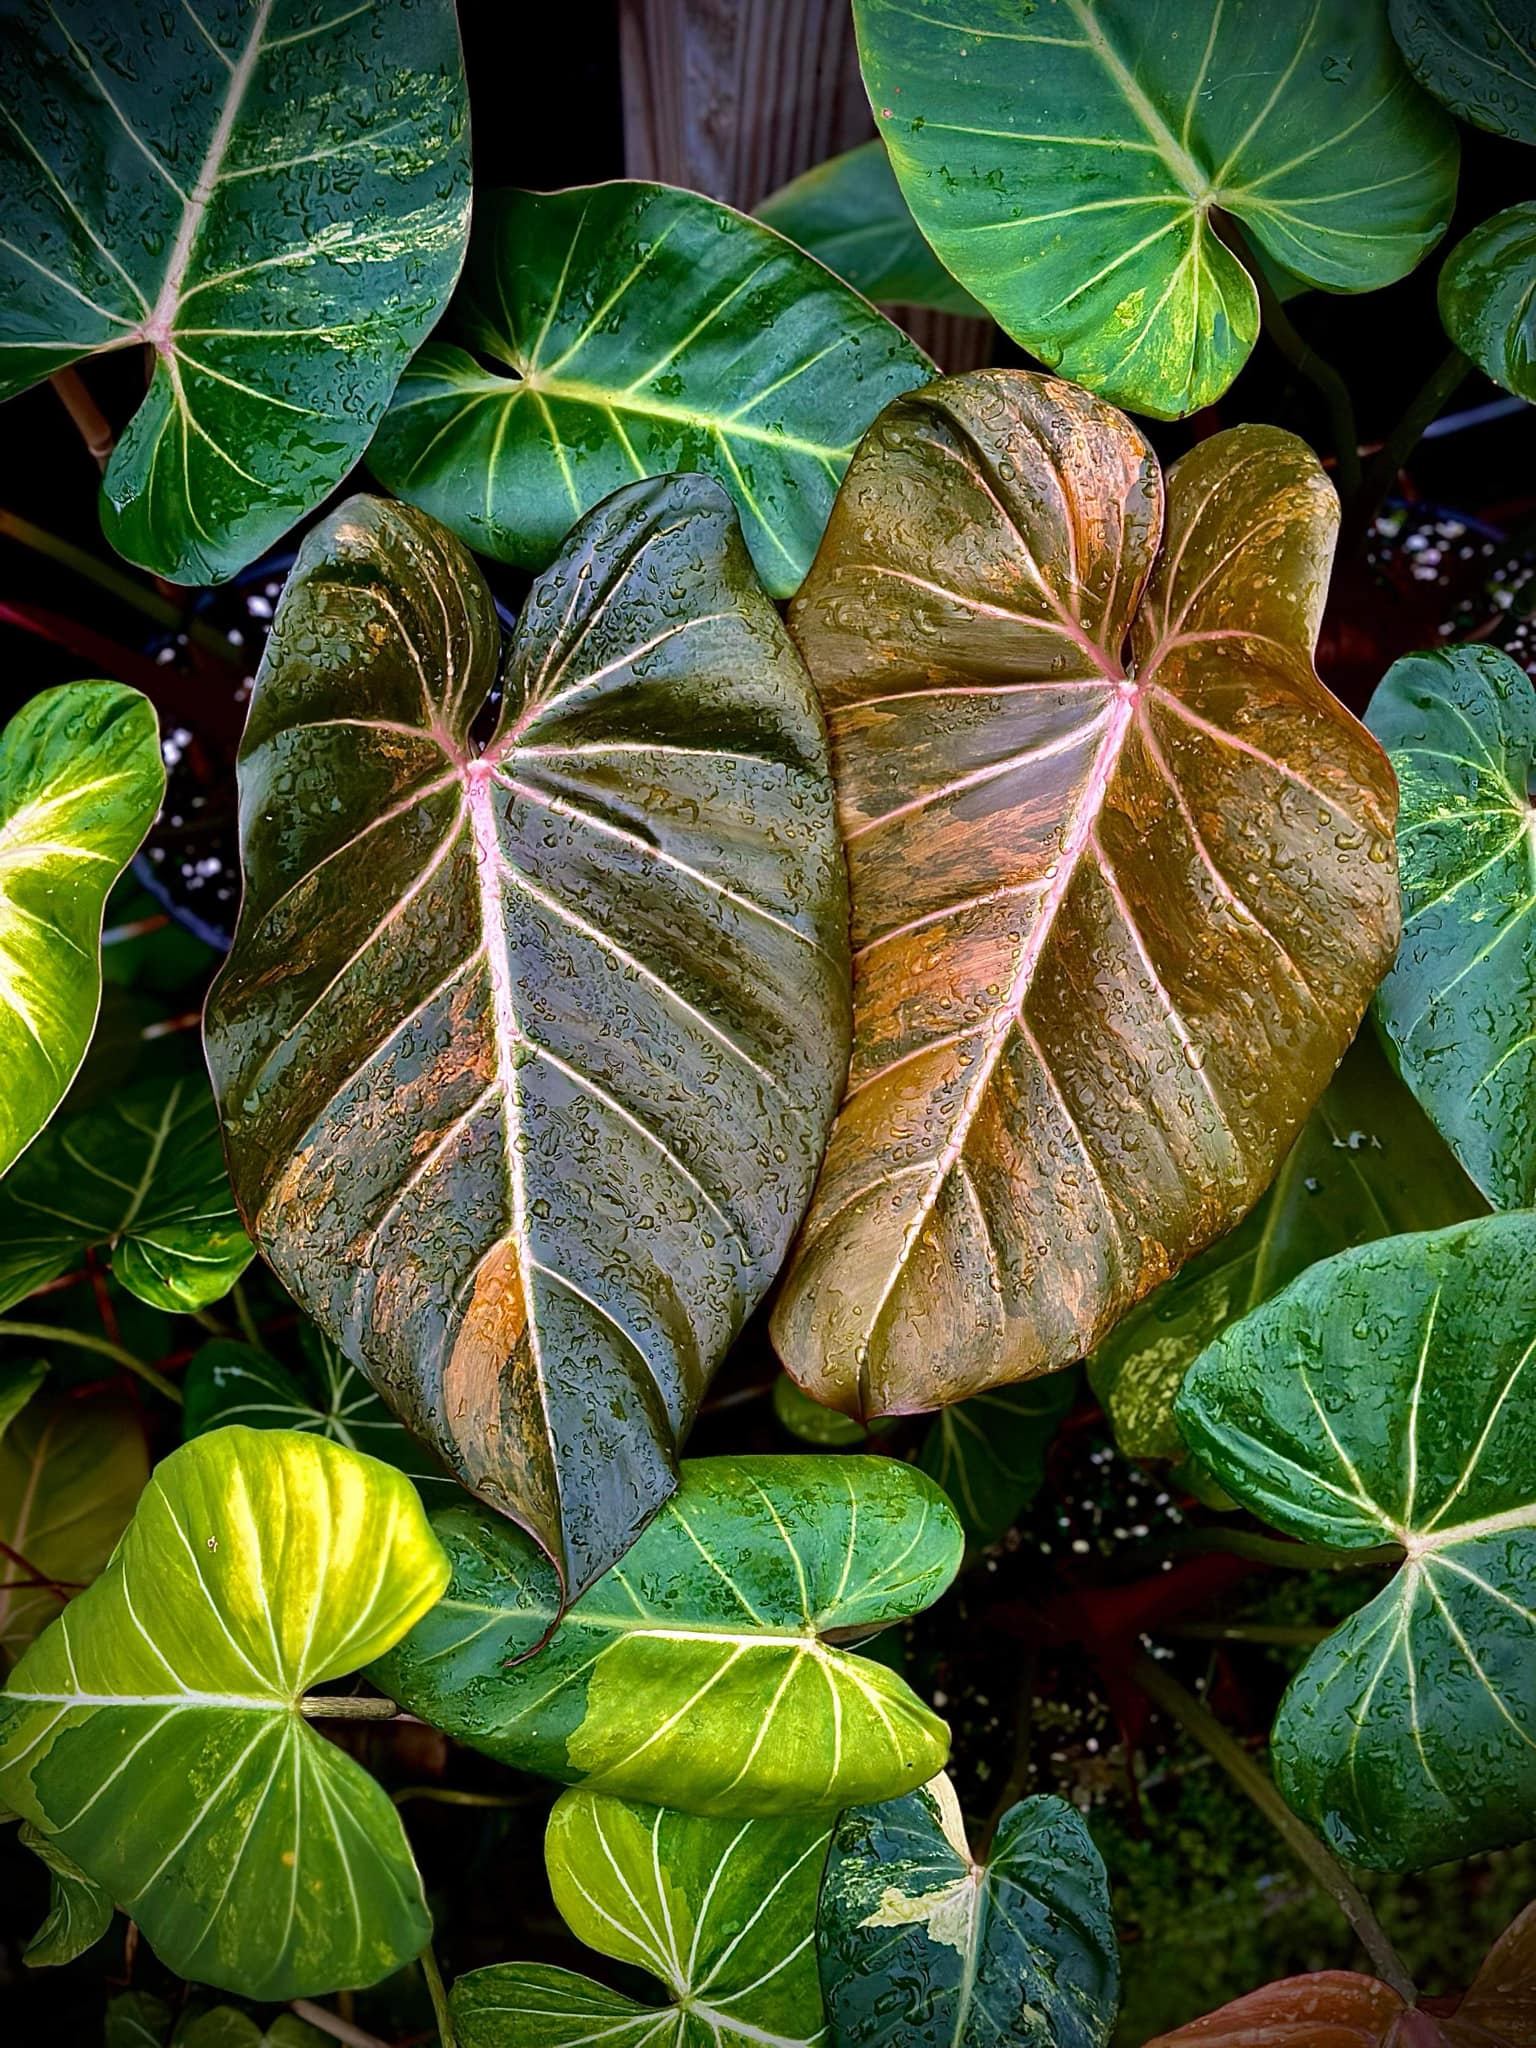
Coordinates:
706 1669
71 1473
1478 57
1114 925
526 1055
1068 163
136 2020
275 201
79 1911
1368 1164
144 1181
850 215
988 1453
1457 1008
623 330
80 782
921 1946
156 1731
1488 299
723 1912
1388 1396
226 2027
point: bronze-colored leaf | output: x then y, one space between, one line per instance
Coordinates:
1329 2009
1115 919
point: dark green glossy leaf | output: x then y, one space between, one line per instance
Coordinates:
1368 1164
143 1180
79 1911
527 1055
988 1453
80 781
624 330
1478 57
1459 1005
850 215
1389 1395
706 1668
923 1947
1488 298
136 2020
1067 162
273 196
723 1912
807 1419
155 1730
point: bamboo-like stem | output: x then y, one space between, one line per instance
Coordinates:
1322 1867
51 1333
94 426
439 1994
326 1706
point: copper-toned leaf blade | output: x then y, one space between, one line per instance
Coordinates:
1330 2009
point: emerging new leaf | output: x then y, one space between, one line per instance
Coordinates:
632 329
80 782
1115 919
706 1669
156 1732
1388 1395
923 1947
271 195
1458 1006
1478 57
527 1054
1488 300
723 1912
1068 161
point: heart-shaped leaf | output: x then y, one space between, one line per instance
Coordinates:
80 782
527 1056
988 1453
1368 1164
1388 1396
850 215
1114 925
1457 1008
723 1912
144 1180
71 1473
1068 166
923 1947
1488 299
706 1669
156 1731
619 331
79 1911
276 203
1478 57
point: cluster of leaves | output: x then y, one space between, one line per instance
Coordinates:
968 951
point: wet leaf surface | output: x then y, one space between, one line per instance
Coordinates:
1488 298
1478 57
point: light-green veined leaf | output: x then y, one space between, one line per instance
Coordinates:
136 2019
156 1730
829 1428
1478 57
623 330
80 781
988 1453
273 197
226 2027
79 1911
923 1947
722 1912
706 1670
143 1179
1459 1005
1389 1395
1488 298
527 1052
1067 160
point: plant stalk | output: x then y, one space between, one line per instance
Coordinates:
330 2023
1305 360
244 1318
1326 1872
325 1706
94 426
52 1333
126 588
1426 405
439 1994
1296 1557
1245 1632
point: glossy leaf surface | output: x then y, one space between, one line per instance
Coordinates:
705 1669
154 1731
723 1912
1113 926
1478 57
1368 1164
71 1473
143 1180
1488 298
80 781
1388 1396
620 331
1327 2009
1459 1004
922 1947
988 1453
527 1056
850 215
79 1911
273 196
1066 164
